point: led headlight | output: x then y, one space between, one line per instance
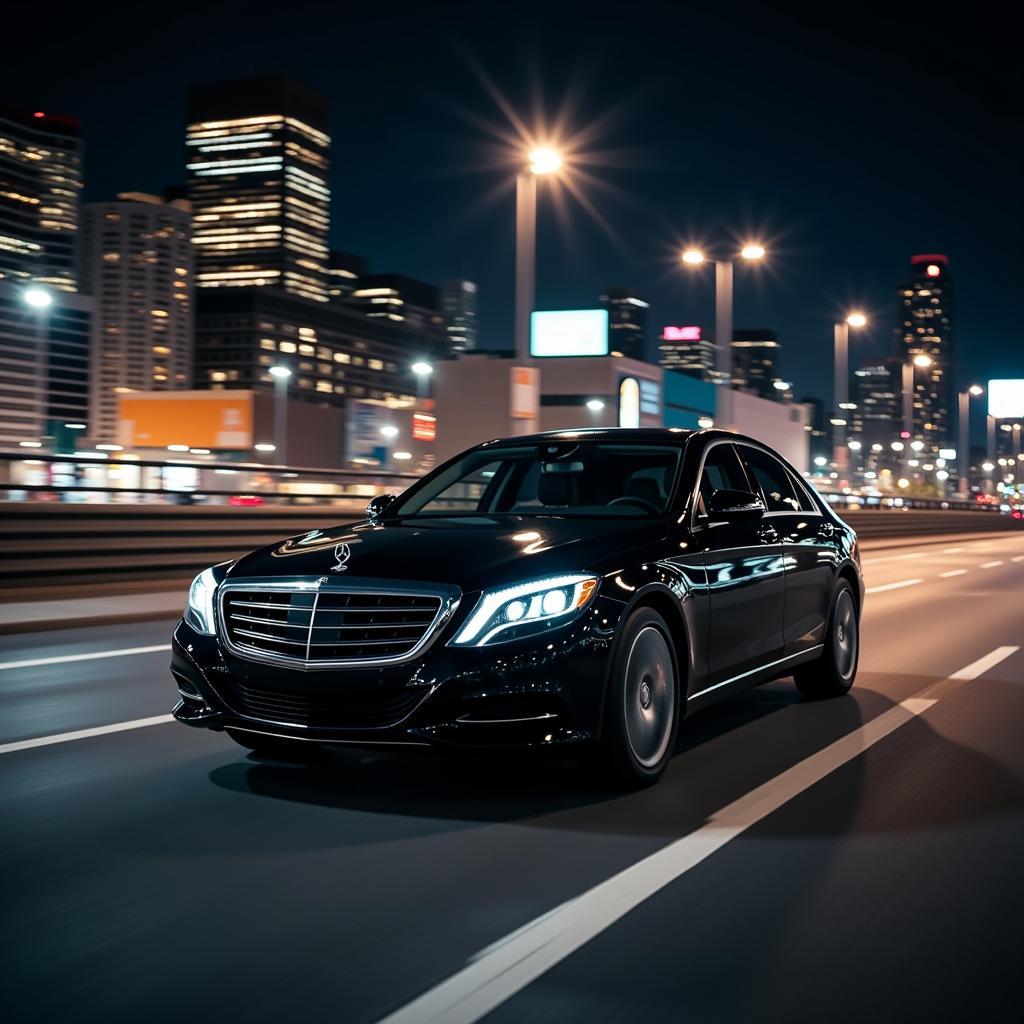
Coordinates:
497 611
199 607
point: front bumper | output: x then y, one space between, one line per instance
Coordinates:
544 691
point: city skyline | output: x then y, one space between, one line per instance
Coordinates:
825 254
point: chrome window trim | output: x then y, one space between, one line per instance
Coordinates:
754 671
448 597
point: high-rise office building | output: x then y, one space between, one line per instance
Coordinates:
343 272
686 349
137 264
458 307
44 366
926 329
40 184
334 351
406 301
876 393
755 361
627 322
257 158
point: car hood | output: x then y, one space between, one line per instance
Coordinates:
470 552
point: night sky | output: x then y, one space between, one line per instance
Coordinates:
846 142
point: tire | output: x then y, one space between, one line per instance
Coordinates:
642 703
273 747
833 673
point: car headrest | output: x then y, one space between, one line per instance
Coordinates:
645 488
556 489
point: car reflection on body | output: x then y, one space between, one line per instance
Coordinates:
574 589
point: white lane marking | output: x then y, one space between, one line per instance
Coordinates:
1017 558
951 551
893 558
81 734
989 565
953 572
91 656
976 668
892 586
505 968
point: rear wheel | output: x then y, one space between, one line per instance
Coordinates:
273 746
833 673
642 714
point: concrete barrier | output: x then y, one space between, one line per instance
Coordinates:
64 545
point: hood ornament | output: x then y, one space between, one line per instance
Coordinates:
342 553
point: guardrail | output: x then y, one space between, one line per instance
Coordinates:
64 545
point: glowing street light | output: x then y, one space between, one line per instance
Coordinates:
540 161
422 368
389 432
37 298
281 374
922 361
841 378
751 252
595 404
964 465
545 160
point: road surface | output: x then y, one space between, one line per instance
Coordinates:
847 860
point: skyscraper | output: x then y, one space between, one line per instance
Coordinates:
876 393
458 307
406 301
257 159
926 329
40 183
137 264
627 322
755 361
343 271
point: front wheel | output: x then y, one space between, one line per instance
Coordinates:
833 673
642 713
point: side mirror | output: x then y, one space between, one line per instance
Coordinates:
727 506
378 505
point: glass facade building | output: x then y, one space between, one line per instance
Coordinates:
257 161
755 361
926 329
40 185
627 323
458 307
137 264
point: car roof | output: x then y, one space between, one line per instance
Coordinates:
626 435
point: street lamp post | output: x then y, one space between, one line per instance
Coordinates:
723 321
281 375
542 160
422 369
39 301
964 451
908 390
841 384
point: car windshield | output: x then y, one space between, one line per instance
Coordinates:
569 479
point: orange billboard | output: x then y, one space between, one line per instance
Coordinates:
199 419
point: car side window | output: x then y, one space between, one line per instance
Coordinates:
772 477
806 502
722 471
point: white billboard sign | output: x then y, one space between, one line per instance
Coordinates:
1006 399
569 332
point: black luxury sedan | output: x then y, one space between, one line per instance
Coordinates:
575 588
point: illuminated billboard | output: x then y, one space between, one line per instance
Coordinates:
689 333
218 420
1006 399
569 332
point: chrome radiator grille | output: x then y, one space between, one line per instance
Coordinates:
327 627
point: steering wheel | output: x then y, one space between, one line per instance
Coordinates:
629 499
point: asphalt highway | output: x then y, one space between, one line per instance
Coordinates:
845 860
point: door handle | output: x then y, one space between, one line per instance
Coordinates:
767 534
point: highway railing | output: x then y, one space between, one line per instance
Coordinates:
51 544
